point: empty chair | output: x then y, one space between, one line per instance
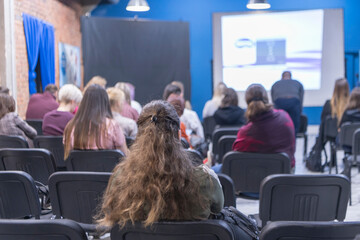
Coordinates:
93 160
18 196
13 142
330 133
41 229
199 230
39 163
36 124
225 145
302 133
217 134
55 145
286 197
228 190
247 170
76 195
310 230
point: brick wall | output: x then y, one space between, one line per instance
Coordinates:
66 22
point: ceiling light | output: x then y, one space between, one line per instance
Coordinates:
137 6
258 4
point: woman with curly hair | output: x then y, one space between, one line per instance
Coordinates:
157 181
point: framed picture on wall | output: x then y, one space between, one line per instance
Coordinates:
69 64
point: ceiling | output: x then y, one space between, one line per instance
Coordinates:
84 6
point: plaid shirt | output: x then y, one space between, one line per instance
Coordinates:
12 124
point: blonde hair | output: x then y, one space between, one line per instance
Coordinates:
125 88
257 101
220 90
339 98
96 80
70 92
116 96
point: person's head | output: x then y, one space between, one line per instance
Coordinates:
257 100
70 95
96 80
286 75
354 100
125 88
339 98
131 90
4 90
7 104
89 121
230 98
52 89
178 103
171 89
156 181
116 98
180 85
220 90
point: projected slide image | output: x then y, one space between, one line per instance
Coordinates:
259 47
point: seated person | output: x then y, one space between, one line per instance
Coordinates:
93 126
212 105
117 100
134 104
157 180
96 80
11 123
42 103
127 110
55 121
229 112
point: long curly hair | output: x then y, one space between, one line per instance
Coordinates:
156 181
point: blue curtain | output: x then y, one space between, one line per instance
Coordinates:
40 41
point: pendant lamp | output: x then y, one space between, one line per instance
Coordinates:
138 6
258 4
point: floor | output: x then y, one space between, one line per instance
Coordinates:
353 211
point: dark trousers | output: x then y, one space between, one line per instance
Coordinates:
293 107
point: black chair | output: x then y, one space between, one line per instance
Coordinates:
209 125
217 134
76 195
247 170
13 142
18 196
93 160
310 230
303 132
287 197
347 131
129 141
184 143
199 230
39 163
41 230
225 145
228 190
36 124
330 134
195 157
356 147
55 145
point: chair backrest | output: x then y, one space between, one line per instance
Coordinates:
93 160
209 125
247 170
195 157
228 190
18 196
218 133
13 142
184 143
199 230
55 145
303 124
39 163
330 128
356 145
129 141
59 229
76 195
288 197
310 230
36 124
346 133
225 145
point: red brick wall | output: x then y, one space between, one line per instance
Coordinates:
66 22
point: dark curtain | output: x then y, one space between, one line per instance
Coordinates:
39 42
148 54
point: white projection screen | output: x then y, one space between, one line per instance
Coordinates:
256 47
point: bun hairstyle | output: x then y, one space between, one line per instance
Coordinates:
257 101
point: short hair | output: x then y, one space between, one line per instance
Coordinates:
230 98
69 92
171 89
116 95
96 80
125 88
7 104
285 73
180 85
51 88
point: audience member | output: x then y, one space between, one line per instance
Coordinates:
134 104
55 121
4 90
157 181
117 100
41 103
212 105
127 110
352 110
182 88
96 80
229 112
288 94
93 126
11 123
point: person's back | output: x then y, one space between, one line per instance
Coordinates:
42 103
